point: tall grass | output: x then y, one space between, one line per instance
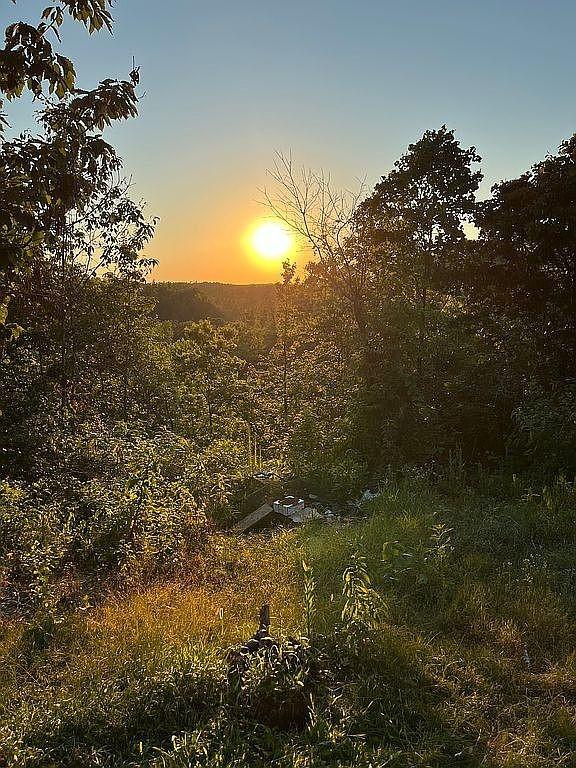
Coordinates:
468 657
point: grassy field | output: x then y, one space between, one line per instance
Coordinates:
460 651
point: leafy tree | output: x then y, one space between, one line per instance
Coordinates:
66 170
118 363
28 59
89 224
526 261
285 309
415 215
212 373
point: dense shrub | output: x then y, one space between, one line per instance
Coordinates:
544 440
119 502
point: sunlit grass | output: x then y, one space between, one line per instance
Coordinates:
208 614
472 662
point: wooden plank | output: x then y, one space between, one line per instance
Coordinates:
253 519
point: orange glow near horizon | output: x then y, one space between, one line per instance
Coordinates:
216 238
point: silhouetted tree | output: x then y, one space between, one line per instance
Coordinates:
526 260
415 215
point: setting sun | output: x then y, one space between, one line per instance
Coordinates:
271 240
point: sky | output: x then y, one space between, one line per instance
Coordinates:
344 85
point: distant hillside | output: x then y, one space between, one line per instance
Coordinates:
237 301
185 302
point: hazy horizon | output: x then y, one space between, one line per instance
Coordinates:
345 87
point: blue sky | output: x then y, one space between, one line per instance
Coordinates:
344 85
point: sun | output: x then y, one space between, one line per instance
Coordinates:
271 240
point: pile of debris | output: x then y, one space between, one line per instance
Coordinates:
288 510
296 509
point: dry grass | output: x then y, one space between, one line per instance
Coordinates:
473 661
217 607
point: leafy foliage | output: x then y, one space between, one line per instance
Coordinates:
119 501
134 419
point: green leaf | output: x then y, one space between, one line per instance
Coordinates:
4 311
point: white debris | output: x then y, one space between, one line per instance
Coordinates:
368 495
289 506
329 516
264 475
308 513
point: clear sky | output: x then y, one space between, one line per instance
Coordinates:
344 84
